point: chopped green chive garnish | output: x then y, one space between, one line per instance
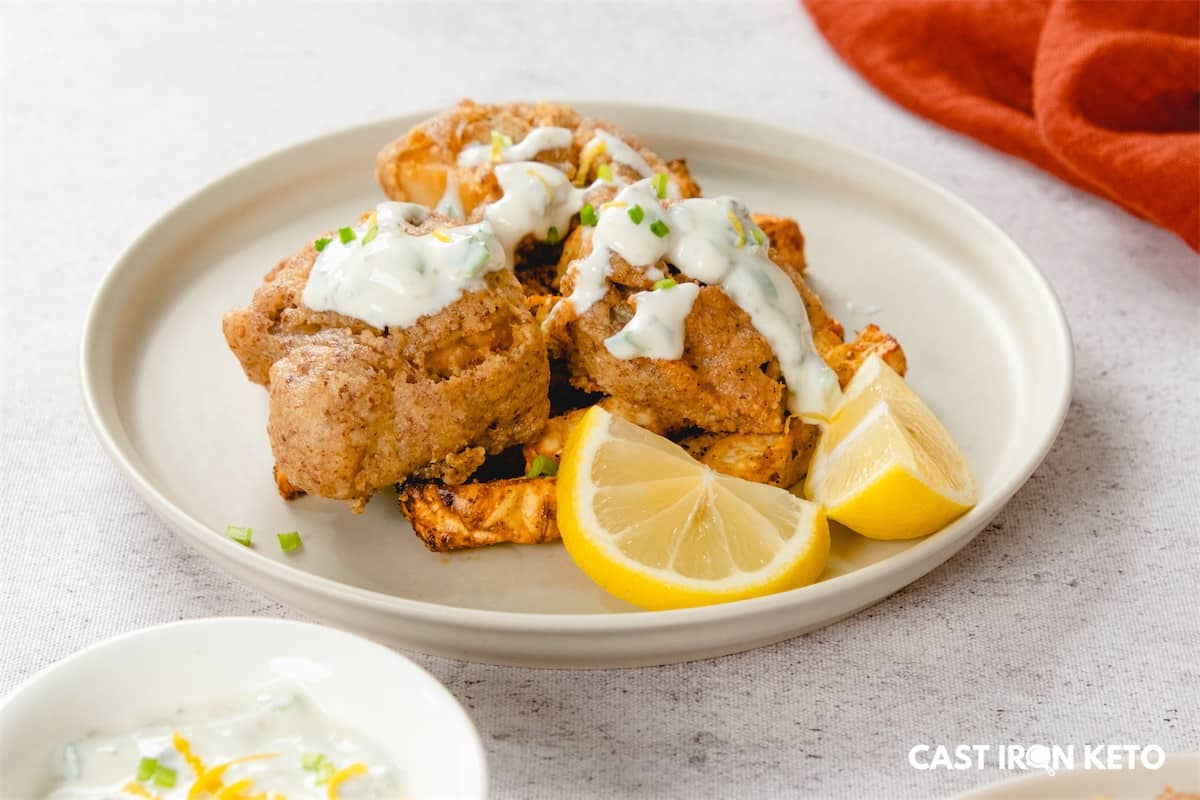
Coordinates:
665 283
542 465
164 776
636 214
146 767
289 541
552 235
316 763
372 231
660 184
501 140
659 228
319 244
759 236
588 215
604 173
346 235
238 534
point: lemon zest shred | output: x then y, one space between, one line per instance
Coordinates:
185 749
497 147
212 780
613 204
343 774
139 790
235 790
441 236
737 226
596 148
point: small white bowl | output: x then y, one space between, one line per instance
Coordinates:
125 682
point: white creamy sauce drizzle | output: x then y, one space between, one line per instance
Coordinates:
451 203
279 719
616 232
711 240
657 327
537 140
396 278
620 152
393 212
537 197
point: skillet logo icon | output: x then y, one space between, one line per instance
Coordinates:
1038 756
1049 758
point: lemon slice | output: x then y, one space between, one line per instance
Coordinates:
884 466
653 526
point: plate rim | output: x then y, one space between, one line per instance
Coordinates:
937 548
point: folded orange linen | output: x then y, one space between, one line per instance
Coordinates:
1103 93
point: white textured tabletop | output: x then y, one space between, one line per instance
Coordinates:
1074 619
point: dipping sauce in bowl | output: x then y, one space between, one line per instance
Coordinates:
237 709
273 744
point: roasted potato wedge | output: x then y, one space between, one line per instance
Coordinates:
514 510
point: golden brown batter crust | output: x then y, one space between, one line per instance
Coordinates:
354 408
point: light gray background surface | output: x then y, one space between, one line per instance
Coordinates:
1074 619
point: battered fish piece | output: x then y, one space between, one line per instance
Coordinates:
423 167
727 379
354 408
415 167
780 458
479 514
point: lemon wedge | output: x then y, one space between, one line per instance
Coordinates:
657 528
884 465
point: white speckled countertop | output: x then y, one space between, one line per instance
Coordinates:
1074 618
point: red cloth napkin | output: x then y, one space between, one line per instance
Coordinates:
1102 93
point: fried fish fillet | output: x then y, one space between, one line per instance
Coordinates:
520 511
422 167
780 458
727 380
354 408
415 167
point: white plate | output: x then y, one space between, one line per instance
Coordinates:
129 681
987 343
1180 771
